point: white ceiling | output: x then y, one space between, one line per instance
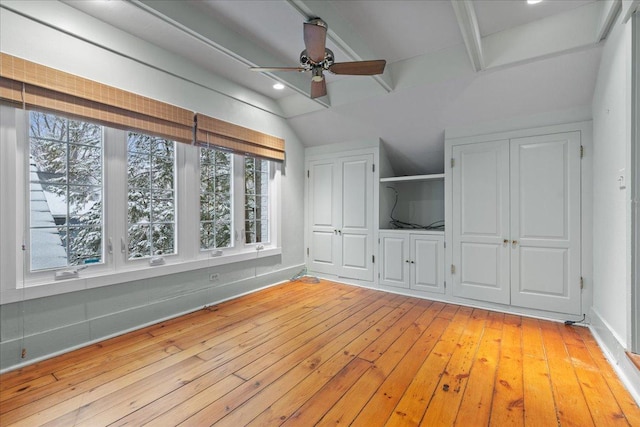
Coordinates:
530 59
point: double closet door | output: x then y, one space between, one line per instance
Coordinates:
516 222
412 261
340 206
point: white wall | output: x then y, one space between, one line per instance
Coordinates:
50 325
612 121
611 126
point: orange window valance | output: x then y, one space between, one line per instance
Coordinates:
35 86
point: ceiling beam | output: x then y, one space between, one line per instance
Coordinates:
608 16
341 33
216 35
468 23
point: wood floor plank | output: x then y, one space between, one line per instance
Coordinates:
604 409
622 396
347 408
300 354
331 371
379 407
447 396
572 409
343 348
282 359
415 400
29 404
539 403
508 397
475 408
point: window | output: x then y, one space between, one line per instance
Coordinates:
151 210
65 192
256 204
215 199
110 199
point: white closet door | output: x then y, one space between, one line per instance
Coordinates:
427 263
323 216
394 259
480 185
355 228
545 222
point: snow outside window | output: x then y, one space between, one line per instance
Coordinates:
256 185
216 174
151 207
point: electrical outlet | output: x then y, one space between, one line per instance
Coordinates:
213 277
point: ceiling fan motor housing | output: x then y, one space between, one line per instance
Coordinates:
308 64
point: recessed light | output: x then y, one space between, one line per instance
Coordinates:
278 86
533 1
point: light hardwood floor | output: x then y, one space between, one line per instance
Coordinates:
303 354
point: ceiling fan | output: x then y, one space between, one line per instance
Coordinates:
317 58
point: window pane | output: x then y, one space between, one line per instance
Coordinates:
256 202
139 241
65 200
215 199
151 210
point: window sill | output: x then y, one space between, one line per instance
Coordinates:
87 280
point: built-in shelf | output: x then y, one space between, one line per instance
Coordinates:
430 177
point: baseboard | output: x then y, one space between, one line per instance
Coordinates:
616 354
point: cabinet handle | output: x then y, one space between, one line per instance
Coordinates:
335 231
340 232
505 242
412 262
514 243
407 261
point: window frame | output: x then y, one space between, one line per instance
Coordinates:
28 208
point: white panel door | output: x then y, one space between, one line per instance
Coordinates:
394 259
323 216
480 186
355 226
545 222
427 263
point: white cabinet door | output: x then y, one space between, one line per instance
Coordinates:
323 216
427 263
545 222
355 227
480 206
395 259
340 202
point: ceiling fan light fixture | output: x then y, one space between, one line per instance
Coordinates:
317 75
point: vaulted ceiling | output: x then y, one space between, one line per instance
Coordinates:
449 62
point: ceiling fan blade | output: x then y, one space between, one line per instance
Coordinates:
268 69
359 68
315 36
318 88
